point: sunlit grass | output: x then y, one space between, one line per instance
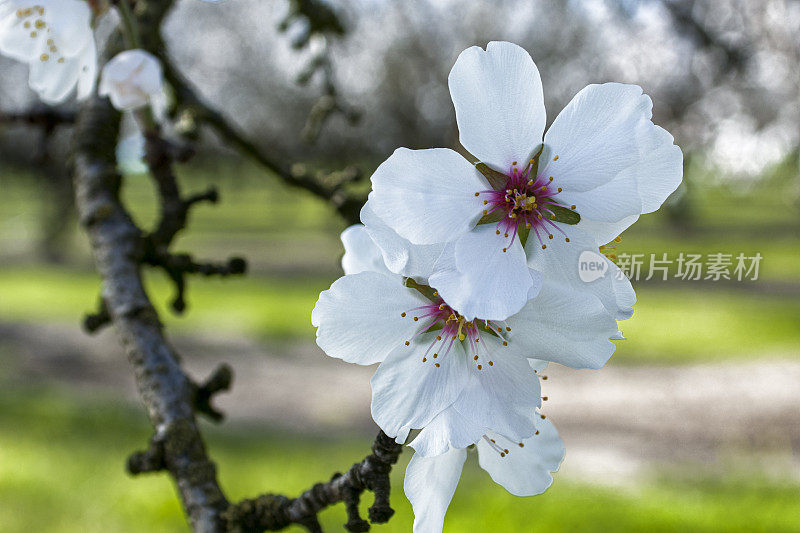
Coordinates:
61 470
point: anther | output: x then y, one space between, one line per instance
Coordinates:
480 367
574 206
567 239
542 417
549 235
551 179
435 355
424 359
485 212
476 357
537 432
505 343
438 337
477 194
555 158
505 249
485 202
560 189
497 232
508 328
544 377
491 363
521 445
505 235
416 319
544 398
407 343
403 314
437 365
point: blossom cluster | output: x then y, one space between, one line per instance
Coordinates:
462 282
55 38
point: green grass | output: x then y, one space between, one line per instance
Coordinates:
62 457
670 324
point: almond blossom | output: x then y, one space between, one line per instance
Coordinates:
433 358
55 38
601 164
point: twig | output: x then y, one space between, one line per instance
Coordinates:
271 512
327 186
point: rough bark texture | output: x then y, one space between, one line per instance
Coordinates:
166 391
121 249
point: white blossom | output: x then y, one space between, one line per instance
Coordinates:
602 160
133 79
55 38
432 358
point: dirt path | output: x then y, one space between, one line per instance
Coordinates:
617 423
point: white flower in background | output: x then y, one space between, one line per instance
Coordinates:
603 163
133 79
55 38
432 358
523 468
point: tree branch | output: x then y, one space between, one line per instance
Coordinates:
328 186
272 512
120 249
116 242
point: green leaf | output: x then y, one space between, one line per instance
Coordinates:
522 232
493 217
426 291
564 215
497 180
535 158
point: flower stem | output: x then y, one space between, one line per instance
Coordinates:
129 30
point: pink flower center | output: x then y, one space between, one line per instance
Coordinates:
524 202
450 327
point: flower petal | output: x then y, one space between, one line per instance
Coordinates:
661 170
409 393
497 94
560 263
54 81
564 326
361 254
605 232
429 485
526 470
427 196
358 318
480 280
449 429
400 255
502 395
87 77
610 202
596 136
